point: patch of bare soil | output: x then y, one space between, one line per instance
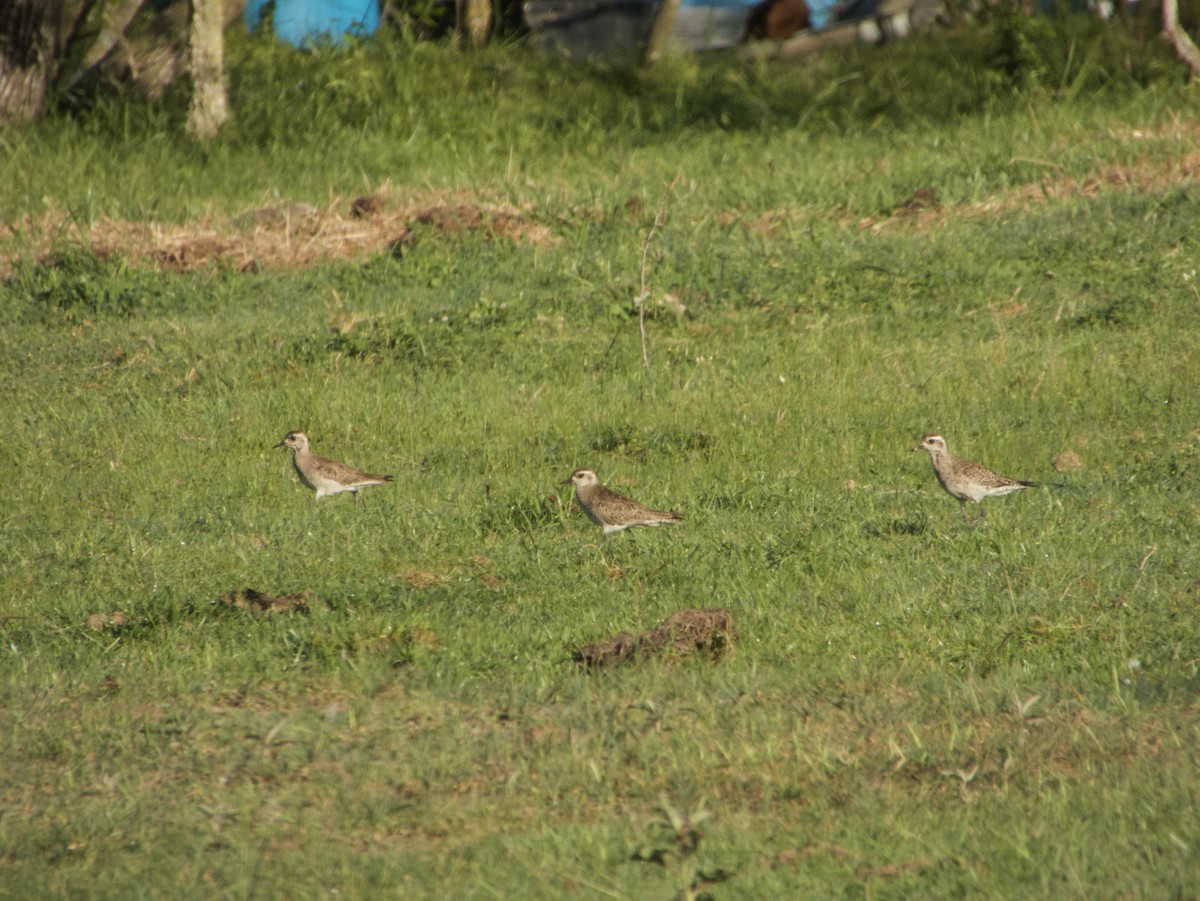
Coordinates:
260 601
423 578
116 621
685 632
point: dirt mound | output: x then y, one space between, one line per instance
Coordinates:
253 599
682 633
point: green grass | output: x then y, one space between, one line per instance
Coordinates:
914 707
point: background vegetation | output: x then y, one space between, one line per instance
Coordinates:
913 706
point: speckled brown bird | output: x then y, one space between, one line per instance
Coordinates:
613 512
966 480
325 476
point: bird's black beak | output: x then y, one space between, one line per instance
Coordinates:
280 444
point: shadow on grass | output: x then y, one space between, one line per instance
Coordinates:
888 528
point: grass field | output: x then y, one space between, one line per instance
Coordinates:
913 706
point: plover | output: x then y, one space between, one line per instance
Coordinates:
613 512
966 480
326 476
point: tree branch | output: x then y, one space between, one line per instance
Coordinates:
1184 48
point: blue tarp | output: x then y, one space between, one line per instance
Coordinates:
301 22
818 9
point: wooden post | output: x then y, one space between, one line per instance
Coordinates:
660 32
478 21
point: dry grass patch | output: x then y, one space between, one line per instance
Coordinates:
293 235
922 212
280 236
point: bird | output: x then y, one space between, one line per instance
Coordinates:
325 476
966 480
613 512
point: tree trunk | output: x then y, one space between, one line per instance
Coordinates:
28 54
477 21
660 31
116 20
1184 47
208 111
1123 14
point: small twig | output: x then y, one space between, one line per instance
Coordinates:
1149 554
659 216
